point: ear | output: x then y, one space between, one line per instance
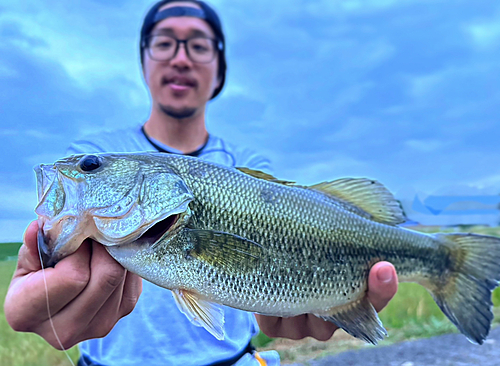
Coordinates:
218 83
218 80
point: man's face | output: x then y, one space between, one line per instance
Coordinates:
180 87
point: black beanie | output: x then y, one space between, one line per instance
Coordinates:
209 15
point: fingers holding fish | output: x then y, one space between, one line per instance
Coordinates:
110 294
26 301
101 298
65 282
29 260
95 311
88 293
98 318
119 304
132 289
382 284
297 327
320 329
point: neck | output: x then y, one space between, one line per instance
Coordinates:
185 134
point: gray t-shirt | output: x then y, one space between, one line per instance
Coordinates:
133 139
156 332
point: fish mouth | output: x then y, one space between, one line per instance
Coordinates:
164 230
158 230
59 238
150 237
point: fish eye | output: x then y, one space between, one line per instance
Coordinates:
89 163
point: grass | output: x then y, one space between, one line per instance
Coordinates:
411 314
9 250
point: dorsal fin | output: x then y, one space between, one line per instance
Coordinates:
261 175
365 197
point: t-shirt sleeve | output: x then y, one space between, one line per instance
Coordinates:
259 162
84 147
247 158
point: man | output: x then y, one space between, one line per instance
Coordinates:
182 53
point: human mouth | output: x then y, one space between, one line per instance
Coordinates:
180 83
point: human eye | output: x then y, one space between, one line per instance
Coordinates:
162 43
200 45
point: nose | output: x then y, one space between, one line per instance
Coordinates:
181 58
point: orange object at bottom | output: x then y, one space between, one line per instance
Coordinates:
261 361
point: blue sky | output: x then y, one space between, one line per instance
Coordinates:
406 92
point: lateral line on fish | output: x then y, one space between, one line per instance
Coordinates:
48 310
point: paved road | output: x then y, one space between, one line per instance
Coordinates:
446 350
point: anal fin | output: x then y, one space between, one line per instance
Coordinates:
200 312
359 319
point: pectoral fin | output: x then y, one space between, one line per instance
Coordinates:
200 312
359 319
223 250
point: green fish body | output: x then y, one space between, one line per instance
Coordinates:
221 236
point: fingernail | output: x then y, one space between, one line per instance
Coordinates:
385 274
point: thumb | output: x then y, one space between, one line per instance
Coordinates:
382 284
28 258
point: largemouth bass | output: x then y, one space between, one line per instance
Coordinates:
237 237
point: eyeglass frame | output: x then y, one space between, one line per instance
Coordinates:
219 46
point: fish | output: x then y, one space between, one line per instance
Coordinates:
218 236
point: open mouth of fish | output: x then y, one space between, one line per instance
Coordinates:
150 238
158 230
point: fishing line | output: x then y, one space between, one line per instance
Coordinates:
48 309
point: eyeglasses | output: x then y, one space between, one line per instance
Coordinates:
198 49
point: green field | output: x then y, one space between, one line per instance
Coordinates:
9 250
411 314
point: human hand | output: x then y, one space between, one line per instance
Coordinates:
88 293
382 286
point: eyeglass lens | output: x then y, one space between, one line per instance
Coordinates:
164 48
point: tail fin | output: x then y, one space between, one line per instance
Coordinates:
465 295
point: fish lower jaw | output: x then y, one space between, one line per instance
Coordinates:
62 235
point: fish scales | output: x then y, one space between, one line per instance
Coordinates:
338 245
241 238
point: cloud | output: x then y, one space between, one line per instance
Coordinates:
406 92
485 33
78 41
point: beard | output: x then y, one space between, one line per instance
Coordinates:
178 113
